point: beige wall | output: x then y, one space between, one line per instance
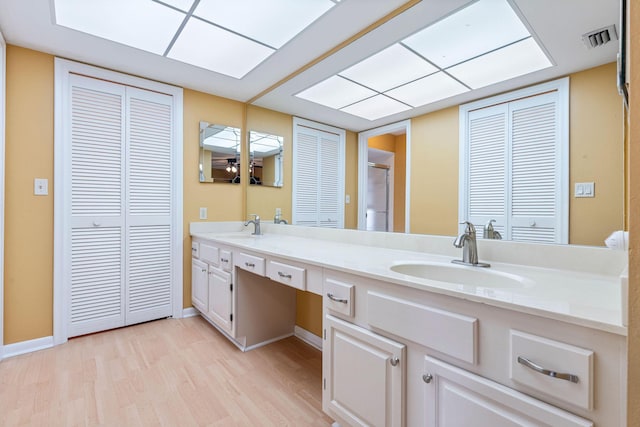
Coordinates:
224 202
596 154
262 200
434 173
28 240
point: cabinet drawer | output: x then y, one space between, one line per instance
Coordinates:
250 263
339 297
557 369
209 253
449 333
287 274
458 397
225 260
195 249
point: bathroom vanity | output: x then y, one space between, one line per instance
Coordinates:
410 339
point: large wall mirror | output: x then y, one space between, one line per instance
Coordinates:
266 159
423 154
219 156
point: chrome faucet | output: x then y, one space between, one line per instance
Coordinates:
256 223
490 232
467 241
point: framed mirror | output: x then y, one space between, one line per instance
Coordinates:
266 159
219 157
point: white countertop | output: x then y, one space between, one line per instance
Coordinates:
589 296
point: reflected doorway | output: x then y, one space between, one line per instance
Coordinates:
379 191
383 178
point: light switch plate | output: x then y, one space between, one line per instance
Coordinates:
585 189
41 186
203 213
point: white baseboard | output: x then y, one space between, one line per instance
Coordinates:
190 312
23 347
308 337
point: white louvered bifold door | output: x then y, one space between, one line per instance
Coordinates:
318 181
487 155
305 180
148 253
535 182
95 209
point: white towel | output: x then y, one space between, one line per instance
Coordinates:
618 240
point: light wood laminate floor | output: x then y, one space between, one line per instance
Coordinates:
171 372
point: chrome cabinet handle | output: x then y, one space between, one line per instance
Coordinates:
249 264
336 299
427 378
529 364
204 270
283 275
394 361
224 260
193 249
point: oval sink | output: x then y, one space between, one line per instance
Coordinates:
461 275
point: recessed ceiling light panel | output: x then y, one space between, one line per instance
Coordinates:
477 29
427 90
142 24
273 22
335 92
215 49
394 66
376 107
512 61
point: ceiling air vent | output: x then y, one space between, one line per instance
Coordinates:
599 37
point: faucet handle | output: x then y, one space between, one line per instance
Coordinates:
469 228
255 217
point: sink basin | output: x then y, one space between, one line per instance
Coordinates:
461 275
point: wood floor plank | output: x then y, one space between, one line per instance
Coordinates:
171 372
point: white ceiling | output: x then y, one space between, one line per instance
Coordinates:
557 25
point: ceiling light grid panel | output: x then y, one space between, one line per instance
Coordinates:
227 37
479 45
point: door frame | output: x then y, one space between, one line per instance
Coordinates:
363 162
3 87
63 69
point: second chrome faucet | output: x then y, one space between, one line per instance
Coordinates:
467 241
256 224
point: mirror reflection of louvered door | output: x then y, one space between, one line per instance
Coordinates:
318 181
118 212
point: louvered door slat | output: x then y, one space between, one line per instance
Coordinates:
329 180
96 150
149 265
96 182
96 280
487 145
306 178
149 155
534 176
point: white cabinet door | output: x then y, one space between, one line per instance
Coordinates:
457 398
220 301
199 285
364 376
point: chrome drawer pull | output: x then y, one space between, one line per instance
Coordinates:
427 378
529 364
224 259
336 299
283 275
249 264
394 361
